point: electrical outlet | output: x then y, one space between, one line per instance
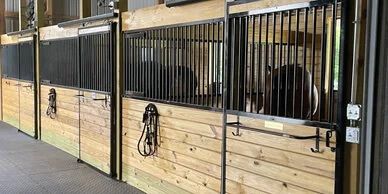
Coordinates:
353 135
353 112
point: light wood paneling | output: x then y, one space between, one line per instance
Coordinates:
161 15
55 32
10 94
189 156
5 39
27 108
95 130
63 131
186 159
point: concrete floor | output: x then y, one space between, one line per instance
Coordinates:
31 166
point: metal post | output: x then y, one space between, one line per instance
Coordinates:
225 99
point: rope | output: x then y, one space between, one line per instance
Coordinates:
147 144
52 107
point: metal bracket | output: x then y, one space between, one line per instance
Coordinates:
329 135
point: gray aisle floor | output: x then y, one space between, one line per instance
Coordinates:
31 166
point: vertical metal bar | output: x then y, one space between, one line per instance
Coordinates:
208 65
187 75
332 62
288 64
266 63
225 91
212 67
295 62
217 59
273 62
174 60
245 63
232 62
158 63
252 66
323 65
313 62
306 13
280 63
203 63
197 63
259 71
239 65
168 62
182 75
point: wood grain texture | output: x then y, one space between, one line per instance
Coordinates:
10 106
27 108
55 32
160 15
95 130
5 39
63 131
256 162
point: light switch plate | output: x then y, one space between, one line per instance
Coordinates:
353 112
353 135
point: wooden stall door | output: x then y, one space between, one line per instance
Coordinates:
27 108
61 131
97 71
265 163
11 102
95 129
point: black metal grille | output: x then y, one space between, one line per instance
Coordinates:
181 64
283 63
96 62
10 61
27 60
59 62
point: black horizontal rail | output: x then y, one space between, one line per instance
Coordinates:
88 19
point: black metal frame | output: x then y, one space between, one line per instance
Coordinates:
338 128
29 66
147 51
59 61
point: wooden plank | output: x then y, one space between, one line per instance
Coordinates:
265 184
54 32
177 112
160 15
148 183
287 158
184 137
179 170
5 39
282 143
295 177
131 117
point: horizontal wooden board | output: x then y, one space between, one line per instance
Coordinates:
160 15
55 32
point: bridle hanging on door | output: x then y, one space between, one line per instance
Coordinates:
148 141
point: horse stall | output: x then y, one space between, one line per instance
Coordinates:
277 98
18 96
76 91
